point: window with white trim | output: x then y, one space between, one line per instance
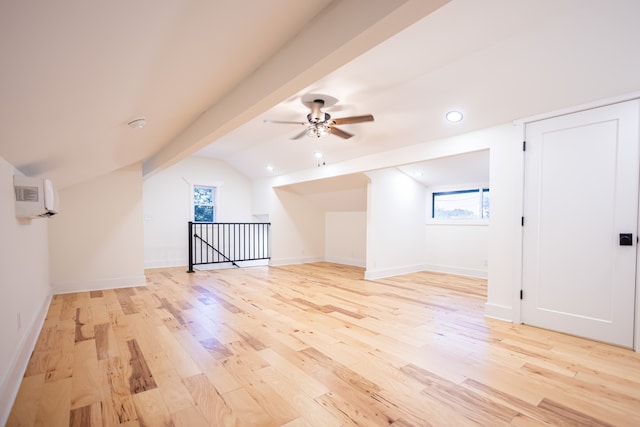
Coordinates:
204 203
461 204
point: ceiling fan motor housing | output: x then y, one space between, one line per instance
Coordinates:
317 116
321 124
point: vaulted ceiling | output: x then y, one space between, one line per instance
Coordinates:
206 75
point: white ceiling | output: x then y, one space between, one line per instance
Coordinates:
470 169
207 74
496 61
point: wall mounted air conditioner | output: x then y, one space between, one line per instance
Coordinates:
35 197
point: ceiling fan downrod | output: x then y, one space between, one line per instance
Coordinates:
316 115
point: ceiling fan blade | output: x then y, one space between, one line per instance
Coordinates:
338 132
285 122
300 135
353 119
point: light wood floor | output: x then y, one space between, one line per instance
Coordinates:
313 345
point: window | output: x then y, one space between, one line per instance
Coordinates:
204 203
461 204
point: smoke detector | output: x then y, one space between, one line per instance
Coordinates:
138 123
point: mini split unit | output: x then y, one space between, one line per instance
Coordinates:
35 197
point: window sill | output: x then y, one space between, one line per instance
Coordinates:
457 222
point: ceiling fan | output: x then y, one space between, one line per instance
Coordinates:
320 123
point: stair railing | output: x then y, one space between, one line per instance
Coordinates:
231 242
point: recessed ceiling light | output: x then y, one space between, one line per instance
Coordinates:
318 155
454 116
269 168
138 123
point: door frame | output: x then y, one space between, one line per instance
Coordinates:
518 249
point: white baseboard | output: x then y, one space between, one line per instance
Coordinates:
11 384
370 274
288 261
99 284
355 262
500 312
459 271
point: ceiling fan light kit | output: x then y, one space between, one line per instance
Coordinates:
319 123
318 130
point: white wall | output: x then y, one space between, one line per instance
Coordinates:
457 246
395 215
297 229
167 206
504 142
348 200
346 238
261 197
457 249
24 286
96 242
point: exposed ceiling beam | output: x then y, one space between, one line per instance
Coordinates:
340 33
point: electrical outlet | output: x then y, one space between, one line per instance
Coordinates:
19 322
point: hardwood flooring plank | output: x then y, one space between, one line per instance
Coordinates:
124 299
379 371
38 363
217 374
25 406
529 414
305 406
353 409
189 417
249 339
350 377
145 333
505 381
117 406
419 409
175 395
247 410
54 404
210 403
151 409
141 377
69 304
96 294
222 302
611 403
85 380
86 416
476 407
179 357
216 348
291 370
473 406
106 346
172 310
404 423
312 345
99 311
298 422
276 406
567 416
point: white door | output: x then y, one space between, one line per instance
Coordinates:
580 196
